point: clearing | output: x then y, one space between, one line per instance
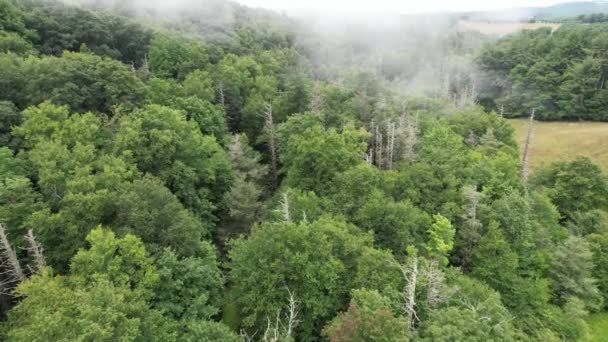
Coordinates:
598 324
552 141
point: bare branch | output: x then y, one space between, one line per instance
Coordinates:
12 273
35 250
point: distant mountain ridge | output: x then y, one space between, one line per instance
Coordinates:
554 12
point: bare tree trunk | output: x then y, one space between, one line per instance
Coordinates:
13 273
390 144
411 277
526 155
285 211
412 138
269 127
292 314
35 251
378 148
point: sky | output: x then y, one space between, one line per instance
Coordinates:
393 6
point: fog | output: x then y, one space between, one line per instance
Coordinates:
416 53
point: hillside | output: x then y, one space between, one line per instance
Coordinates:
548 13
202 171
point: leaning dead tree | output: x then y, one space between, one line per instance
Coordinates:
272 143
11 273
525 167
35 250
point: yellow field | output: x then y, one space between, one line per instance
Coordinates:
553 141
501 28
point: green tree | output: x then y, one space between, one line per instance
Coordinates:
189 288
572 274
369 318
160 141
313 158
149 210
599 247
441 239
123 261
315 261
576 185
396 225
55 309
175 57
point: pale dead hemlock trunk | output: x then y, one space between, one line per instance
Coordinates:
391 144
12 272
526 155
35 251
410 275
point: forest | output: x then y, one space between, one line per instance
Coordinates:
207 175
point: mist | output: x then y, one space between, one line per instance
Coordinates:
422 54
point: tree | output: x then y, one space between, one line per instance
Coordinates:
313 158
124 262
82 81
54 308
160 141
368 318
175 57
396 225
149 210
189 288
474 312
572 274
494 261
441 239
315 261
9 117
599 247
577 185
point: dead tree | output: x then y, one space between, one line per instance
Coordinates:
292 314
410 276
35 251
378 147
435 279
279 329
272 144
284 209
411 140
221 96
12 273
390 146
526 155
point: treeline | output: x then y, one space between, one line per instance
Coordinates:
202 193
561 74
593 18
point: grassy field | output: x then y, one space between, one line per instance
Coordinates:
599 327
553 141
500 28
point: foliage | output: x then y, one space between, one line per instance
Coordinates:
312 260
369 318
